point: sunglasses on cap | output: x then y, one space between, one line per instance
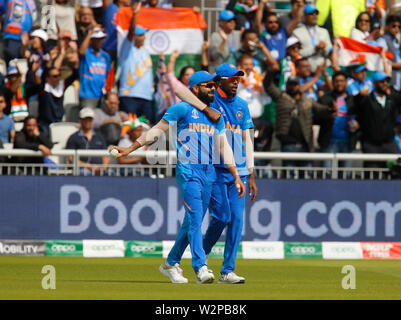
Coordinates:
232 79
208 85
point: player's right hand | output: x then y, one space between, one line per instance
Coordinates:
123 152
240 186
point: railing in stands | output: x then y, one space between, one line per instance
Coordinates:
164 165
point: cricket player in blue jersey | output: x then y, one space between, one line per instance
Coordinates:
226 208
196 139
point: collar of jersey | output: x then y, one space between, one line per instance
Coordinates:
223 95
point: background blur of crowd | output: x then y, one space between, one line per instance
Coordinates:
301 96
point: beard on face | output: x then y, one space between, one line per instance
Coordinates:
205 97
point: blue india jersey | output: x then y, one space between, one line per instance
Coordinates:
354 87
237 118
195 135
93 71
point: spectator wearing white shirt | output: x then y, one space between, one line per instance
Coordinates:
315 40
361 31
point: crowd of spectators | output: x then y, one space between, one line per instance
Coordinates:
292 82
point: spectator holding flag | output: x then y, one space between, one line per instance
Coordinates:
110 25
361 31
136 81
358 82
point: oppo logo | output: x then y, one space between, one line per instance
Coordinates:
63 247
218 250
303 250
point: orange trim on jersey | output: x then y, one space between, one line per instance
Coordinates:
182 143
221 93
187 206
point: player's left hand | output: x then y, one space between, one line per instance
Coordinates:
253 189
240 186
212 114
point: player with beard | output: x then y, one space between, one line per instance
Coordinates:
226 208
196 138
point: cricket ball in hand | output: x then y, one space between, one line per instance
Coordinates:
114 152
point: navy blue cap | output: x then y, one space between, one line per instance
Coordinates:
226 15
200 77
140 30
228 70
310 8
380 76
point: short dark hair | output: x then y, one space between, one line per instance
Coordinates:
269 14
392 18
30 117
339 73
294 1
298 62
248 31
243 57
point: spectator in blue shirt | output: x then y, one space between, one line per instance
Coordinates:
274 37
338 134
358 82
311 84
95 64
110 25
7 128
17 20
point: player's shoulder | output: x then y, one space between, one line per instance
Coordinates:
241 102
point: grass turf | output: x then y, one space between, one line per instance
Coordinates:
139 279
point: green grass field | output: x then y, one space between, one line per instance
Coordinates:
139 279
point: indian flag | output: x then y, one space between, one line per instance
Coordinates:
350 51
169 29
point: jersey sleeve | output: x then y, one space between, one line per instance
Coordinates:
247 123
176 112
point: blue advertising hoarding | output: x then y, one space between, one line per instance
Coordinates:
73 208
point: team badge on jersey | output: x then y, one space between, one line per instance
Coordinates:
195 114
239 115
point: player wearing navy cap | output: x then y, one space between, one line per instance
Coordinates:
196 139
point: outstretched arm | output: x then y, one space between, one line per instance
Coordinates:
146 138
186 95
131 31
